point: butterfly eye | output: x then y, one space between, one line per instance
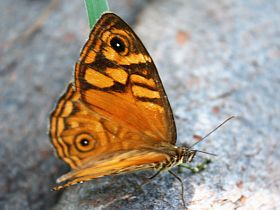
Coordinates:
117 44
84 142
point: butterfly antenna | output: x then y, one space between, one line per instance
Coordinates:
228 119
208 153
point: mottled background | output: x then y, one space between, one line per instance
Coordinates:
216 59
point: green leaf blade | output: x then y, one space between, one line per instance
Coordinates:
95 8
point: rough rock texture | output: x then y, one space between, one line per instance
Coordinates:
216 59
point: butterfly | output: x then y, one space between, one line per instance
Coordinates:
115 116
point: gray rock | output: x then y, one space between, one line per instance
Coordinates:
215 59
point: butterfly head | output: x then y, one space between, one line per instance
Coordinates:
190 154
187 154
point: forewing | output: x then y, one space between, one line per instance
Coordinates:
123 84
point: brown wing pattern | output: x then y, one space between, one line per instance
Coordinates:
115 117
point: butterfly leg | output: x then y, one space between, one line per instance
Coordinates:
195 169
157 173
182 186
147 180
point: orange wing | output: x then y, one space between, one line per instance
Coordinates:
116 117
117 78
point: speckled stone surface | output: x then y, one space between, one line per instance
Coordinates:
216 59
